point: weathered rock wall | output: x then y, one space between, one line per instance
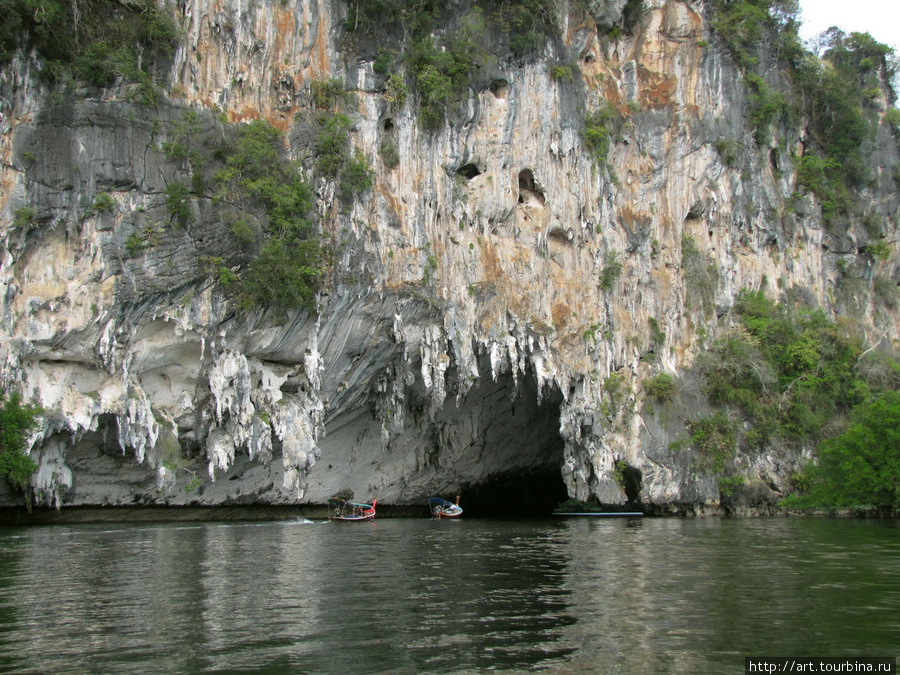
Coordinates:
464 336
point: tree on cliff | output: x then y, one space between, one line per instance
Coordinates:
16 422
861 467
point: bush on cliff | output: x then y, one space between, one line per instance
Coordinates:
17 421
94 41
285 273
861 467
787 368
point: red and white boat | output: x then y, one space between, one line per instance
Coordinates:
351 512
441 508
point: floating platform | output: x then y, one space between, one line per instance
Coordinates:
604 514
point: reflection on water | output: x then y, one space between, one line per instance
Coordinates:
411 596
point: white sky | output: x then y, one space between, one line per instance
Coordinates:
879 18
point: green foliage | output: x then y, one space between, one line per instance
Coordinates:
442 50
385 15
838 124
189 141
598 126
631 13
134 244
728 485
730 151
256 168
327 94
833 94
714 439
17 422
243 232
384 61
880 250
744 25
616 386
836 96
765 106
284 275
701 276
395 91
619 473
575 506
178 201
886 292
95 42
790 371
660 386
216 268
104 203
333 146
657 335
441 74
527 23
562 73
861 467
612 270
825 179
892 119
390 154
24 217
148 238
357 176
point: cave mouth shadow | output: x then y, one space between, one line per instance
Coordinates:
529 493
520 447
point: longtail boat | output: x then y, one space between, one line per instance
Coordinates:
351 512
441 508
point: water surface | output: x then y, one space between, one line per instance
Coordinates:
422 596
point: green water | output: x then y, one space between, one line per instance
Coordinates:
422 596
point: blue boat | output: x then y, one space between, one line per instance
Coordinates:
441 508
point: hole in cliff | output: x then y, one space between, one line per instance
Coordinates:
515 494
529 192
469 171
515 455
631 478
388 125
560 235
497 444
500 88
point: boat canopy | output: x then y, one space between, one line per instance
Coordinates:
438 501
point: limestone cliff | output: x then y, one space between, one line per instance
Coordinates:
496 299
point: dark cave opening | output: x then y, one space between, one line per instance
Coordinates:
518 469
494 441
469 171
630 479
516 494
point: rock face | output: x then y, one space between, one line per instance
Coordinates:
467 339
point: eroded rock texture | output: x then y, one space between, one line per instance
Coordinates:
466 340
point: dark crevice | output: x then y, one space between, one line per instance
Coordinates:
527 493
529 192
469 171
630 479
522 450
500 88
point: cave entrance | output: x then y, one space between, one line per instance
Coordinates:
516 494
496 445
503 447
